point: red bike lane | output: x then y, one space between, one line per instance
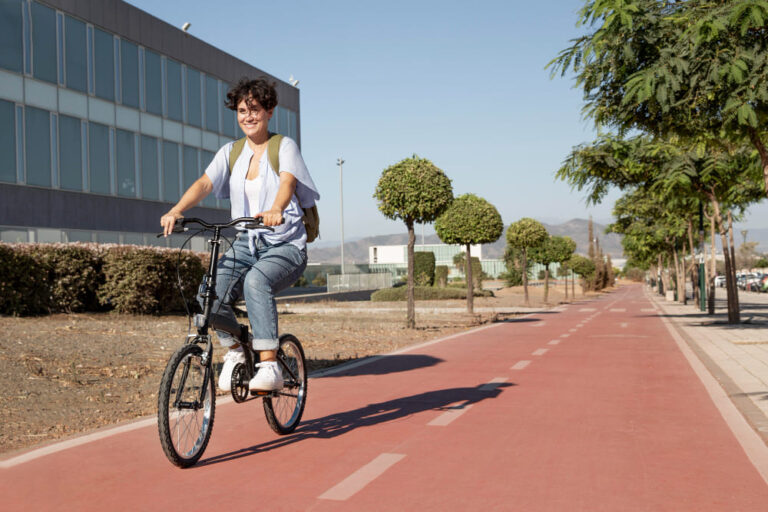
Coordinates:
588 407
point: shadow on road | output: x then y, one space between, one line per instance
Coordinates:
382 365
370 415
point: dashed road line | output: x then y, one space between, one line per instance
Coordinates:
564 335
540 352
490 386
520 365
539 324
362 477
618 310
572 330
623 325
553 342
450 414
586 310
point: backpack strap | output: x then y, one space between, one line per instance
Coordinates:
234 153
273 152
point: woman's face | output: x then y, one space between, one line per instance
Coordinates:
253 119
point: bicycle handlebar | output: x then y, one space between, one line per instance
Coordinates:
252 223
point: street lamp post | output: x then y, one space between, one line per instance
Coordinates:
340 163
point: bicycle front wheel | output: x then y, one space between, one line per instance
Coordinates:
284 408
185 406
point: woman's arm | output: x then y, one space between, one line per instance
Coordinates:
194 194
274 216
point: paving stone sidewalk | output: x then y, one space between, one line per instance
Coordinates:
736 355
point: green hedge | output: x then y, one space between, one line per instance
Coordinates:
424 268
441 276
425 293
48 278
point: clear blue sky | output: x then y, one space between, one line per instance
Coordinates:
460 83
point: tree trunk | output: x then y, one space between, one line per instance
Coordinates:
733 308
660 277
546 283
470 284
734 269
573 284
693 269
410 319
712 265
565 270
679 292
525 277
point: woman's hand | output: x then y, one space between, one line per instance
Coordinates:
271 217
168 220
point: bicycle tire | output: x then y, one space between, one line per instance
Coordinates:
284 408
182 381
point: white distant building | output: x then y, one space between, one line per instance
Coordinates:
394 258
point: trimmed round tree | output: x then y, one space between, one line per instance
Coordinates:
413 190
522 235
469 220
555 249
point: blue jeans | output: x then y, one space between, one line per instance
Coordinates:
257 278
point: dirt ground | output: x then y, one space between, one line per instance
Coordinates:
67 374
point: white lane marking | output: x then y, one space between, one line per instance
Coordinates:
553 342
520 365
539 324
450 415
586 310
490 386
564 335
623 325
540 352
618 310
572 330
77 441
362 477
648 310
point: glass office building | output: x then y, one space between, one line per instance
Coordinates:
107 114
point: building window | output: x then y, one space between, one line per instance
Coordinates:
194 115
104 64
191 167
206 157
37 138
129 73
150 173
282 121
44 43
173 89
153 82
99 159
228 122
76 62
7 141
211 104
170 172
11 33
70 154
126 164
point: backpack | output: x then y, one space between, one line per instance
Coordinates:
311 218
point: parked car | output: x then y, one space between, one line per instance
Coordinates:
720 281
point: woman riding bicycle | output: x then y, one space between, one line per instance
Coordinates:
260 263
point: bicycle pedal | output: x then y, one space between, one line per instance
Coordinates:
255 392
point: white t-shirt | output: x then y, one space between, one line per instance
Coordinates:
252 191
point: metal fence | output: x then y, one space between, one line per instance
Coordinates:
352 282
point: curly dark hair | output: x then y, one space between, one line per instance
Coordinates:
246 89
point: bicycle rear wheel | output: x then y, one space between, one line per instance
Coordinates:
284 408
186 406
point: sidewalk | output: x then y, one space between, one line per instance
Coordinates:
736 355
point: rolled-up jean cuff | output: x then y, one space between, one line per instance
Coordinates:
226 339
265 344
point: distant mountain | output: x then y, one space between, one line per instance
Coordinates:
356 251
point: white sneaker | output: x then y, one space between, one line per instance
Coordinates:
231 358
268 378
